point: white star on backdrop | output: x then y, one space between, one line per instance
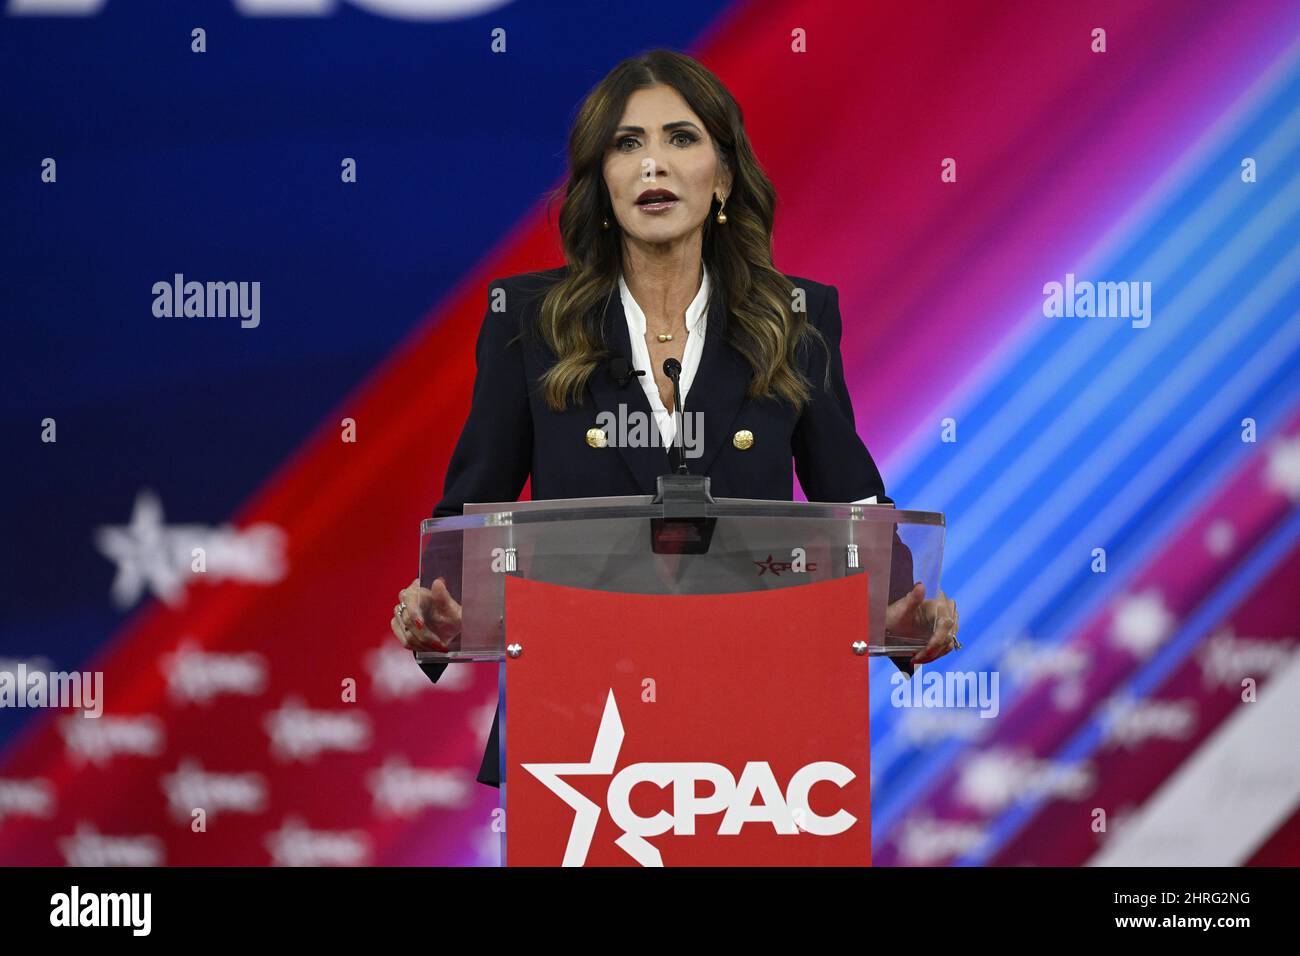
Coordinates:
1282 473
139 549
1141 624
1220 537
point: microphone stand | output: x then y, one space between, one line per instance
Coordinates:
685 527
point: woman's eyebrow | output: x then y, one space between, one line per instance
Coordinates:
679 124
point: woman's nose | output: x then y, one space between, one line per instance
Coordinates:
653 169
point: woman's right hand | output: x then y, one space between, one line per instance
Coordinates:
431 618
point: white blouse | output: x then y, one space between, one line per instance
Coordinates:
696 327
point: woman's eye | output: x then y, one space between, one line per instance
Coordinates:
688 137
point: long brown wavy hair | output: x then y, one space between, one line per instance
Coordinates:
763 324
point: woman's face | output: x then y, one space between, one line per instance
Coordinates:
660 144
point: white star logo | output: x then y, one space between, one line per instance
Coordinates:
151 554
609 741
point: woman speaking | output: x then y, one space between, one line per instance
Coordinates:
666 226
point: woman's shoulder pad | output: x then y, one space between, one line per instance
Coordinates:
531 281
815 292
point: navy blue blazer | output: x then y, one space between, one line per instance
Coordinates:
511 434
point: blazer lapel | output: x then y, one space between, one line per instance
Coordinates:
719 387
716 395
648 461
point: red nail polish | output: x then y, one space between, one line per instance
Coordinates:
417 622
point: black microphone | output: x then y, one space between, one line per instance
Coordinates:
673 369
621 371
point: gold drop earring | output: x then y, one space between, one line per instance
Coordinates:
722 216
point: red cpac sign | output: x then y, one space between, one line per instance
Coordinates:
739 739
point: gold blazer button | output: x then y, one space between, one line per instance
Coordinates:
597 438
743 439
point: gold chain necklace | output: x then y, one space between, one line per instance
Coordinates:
668 336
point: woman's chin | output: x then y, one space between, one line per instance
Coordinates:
659 234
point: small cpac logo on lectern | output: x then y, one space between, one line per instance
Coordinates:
787 812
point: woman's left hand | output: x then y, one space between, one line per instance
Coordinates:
913 616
